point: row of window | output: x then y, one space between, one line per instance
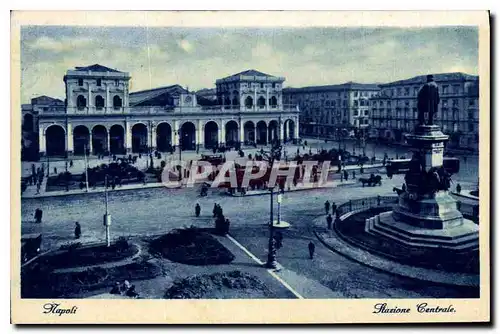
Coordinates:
408 126
356 113
225 87
406 91
444 102
98 82
443 113
99 103
261 102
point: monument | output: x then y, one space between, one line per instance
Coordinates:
426 214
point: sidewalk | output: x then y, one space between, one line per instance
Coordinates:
331 240
299 187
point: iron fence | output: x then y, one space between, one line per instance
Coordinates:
468 210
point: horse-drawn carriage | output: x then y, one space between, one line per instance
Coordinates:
373 180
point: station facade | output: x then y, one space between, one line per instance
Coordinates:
101 116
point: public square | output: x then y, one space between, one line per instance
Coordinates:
156 211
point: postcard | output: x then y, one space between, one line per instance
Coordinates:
250 167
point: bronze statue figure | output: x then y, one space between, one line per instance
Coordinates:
428 100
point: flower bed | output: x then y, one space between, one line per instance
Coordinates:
191 246
39 282
233 284
81 256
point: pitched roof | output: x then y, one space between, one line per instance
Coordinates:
138 97
440 77
251 72
96 68
326 88
44 99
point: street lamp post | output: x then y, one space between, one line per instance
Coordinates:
178 133
271 256
86 168
107 216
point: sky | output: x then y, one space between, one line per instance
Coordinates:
196 57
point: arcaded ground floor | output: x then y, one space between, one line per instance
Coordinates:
119 136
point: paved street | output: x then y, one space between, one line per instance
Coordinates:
156 211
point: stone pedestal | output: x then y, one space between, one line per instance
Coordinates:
426 216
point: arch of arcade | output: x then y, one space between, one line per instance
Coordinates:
102 117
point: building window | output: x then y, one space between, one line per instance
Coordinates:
80 82
117 102
249 102
273 101
407 91
415 91
355 113
81 102
445 89
261 85
98 82
471 127
99 102
456 89
400 91
471 103
117 83
274 85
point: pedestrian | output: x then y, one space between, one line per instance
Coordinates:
334 208
78 230
346 175
38 215
459 188
215 210
131 292
329 221
403 187
353 174
226 225
341 177
55 170
116 289
197 209
311 247
361 170
71 163
327 207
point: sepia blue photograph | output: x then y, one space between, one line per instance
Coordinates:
252 162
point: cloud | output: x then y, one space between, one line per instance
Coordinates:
65 44
196 57
185 45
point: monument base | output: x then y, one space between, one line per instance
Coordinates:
436 211
461 238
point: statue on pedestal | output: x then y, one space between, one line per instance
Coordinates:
427 101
